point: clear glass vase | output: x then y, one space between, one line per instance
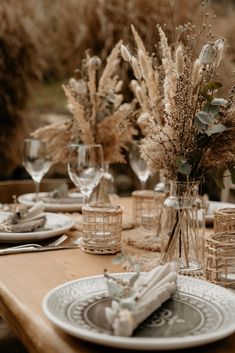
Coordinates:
182 228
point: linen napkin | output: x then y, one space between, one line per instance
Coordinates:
63 195
24 219
147 295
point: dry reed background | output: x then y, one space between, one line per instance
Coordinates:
45 41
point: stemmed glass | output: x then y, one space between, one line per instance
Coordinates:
36 161
86 167
138 164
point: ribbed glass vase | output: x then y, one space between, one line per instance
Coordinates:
182 228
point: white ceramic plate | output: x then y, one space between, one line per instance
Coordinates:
215 205
57 206
200 312
55 224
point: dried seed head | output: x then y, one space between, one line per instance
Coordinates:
143 64
179 60
135 67
125 53
196 72
140 94
207 54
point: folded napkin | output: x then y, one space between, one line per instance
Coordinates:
24 219
62 195
143 298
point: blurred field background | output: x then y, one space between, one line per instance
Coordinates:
42 42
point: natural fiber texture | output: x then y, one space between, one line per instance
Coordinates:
187 130
220 259
141 238
224 220
99 114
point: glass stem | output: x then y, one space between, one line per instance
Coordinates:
142 184
37 187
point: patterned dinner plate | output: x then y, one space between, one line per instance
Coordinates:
55 224
198 313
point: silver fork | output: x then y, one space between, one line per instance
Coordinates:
34 246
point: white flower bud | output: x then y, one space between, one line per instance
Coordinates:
125 53
207 54
140 95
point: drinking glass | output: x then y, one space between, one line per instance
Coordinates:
138 164
36 161
86 167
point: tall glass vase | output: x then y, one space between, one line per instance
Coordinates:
182 228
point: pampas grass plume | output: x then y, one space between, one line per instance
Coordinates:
143 64
125 53
135 67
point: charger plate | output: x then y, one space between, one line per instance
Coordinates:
198 313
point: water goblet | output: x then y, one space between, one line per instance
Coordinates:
36 161
86 167
138 164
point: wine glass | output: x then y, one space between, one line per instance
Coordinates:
86 167
138 164
36 160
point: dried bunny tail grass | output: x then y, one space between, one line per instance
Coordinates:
136 68
125 53
179 60
110 69
79 116
196 72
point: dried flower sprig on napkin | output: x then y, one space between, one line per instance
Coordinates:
136 299
24 219
188 130
99 114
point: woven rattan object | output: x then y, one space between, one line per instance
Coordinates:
220 259
224 220
147 207
102 226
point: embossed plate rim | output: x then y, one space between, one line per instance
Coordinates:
140 343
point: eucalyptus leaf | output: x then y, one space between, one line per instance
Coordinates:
219 101
117 260
183 166
212 86
204 117
215 129
213 110
199 125
218 177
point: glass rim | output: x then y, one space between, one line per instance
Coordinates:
71 145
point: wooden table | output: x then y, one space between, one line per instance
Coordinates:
26 278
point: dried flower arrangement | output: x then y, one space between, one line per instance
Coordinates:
188 131
99 114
